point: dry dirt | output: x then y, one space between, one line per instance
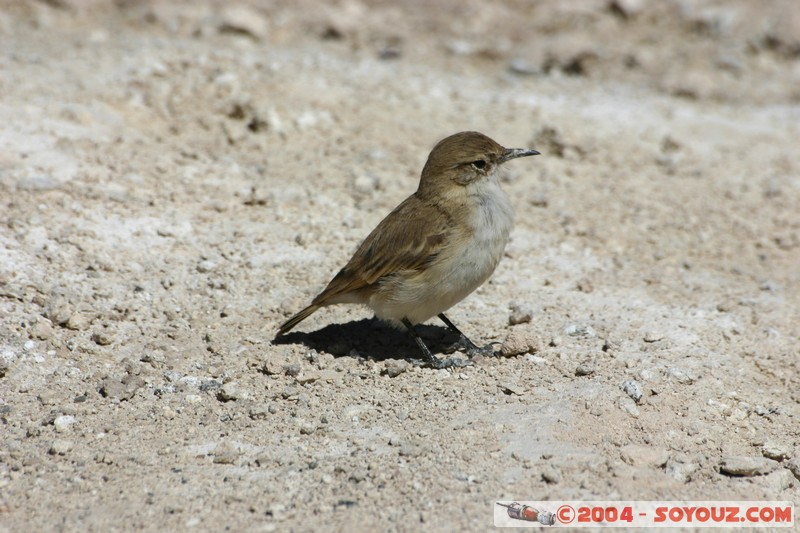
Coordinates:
177 178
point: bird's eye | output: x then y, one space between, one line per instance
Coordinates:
480 164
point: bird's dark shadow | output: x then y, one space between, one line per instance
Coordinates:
373 339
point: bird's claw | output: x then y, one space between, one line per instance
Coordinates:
485 351
438 364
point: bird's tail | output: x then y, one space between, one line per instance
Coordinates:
296 319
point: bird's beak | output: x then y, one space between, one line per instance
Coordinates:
513 153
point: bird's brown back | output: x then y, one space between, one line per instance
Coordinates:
407 240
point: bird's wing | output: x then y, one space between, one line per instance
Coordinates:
408 239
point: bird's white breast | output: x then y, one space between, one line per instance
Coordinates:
465 264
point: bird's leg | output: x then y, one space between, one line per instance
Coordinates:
469 347
431 359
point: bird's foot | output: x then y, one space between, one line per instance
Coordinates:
464 345
485 351
437 363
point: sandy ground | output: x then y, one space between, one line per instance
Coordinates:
177 178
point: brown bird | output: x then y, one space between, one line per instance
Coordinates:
436 247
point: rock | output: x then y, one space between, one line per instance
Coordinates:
78 321
776 450
650 456
512 388
574 57
523 67
633 389
367 183
746 466
584 369
307 428
681 376
308 377
520 314
243 19
231 392
43 329
551 475
269 367
193 399
5 364
58 309
205 266
63 423
580 330
629 406
226 454
394 368
779 480
123 389
627 9
292 370
519 342
681 471
794 466
209 385
60 447
38 182
652 336
103 337
258 412
585 285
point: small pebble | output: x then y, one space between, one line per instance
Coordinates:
78 321
307 377
307 428
681 471
231 392
745 466
123 389
193 398
38 182
58 310
292 370
550 475
63 423
653 336
580 330
519 342
776 450
243 19
366 183
206 266
537 360
794 466
523 67
629 406
259 412
395 367
520 313
43 330
512 388
103 337
679 375
633 389
226 454
211 384
649 456
628 8
60 447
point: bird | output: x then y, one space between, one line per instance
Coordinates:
435 248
